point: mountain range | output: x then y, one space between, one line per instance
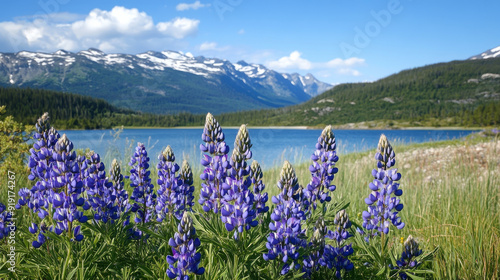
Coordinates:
159 82
455 93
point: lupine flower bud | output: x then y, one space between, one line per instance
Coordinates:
187 188
383 208
260 197
287 235
184 259
242 145
322 169
119 192
186 173
216 165
315 259
343 223
410 252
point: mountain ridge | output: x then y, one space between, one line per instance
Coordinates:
159 82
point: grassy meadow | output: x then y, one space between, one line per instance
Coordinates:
451 197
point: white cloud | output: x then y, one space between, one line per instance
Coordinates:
207 46
193 6
212 46
119 29
295 62
241 31
179 27
118 21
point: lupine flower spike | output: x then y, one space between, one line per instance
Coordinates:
67 187
322 169
383 208
58 190
118 191
184 259
143 194
40 162
287 235
238 201
168 182
316 259
216 165
187 188
260 197
410 252
100 190
337 256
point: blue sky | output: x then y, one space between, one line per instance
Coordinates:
337 41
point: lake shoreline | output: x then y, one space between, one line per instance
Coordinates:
307 128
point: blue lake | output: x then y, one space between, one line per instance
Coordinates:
270 145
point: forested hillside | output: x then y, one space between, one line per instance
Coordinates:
458 93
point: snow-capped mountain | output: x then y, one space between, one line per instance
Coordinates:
159 82
492 53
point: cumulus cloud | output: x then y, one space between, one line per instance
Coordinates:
212 46
295 62
193 6
119 29
179 27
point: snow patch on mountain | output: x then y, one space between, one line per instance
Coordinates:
492 53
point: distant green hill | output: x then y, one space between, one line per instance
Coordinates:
81 112
465 93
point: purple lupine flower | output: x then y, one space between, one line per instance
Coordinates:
5 222
58 188
119 191
40 237
40 162
99 190
337 256
187 188
169 200
287 235
343 223
143 196
383 208
260 197
184 259
238 210
410 252
216 165
331 256
322 169
65 192
316 259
